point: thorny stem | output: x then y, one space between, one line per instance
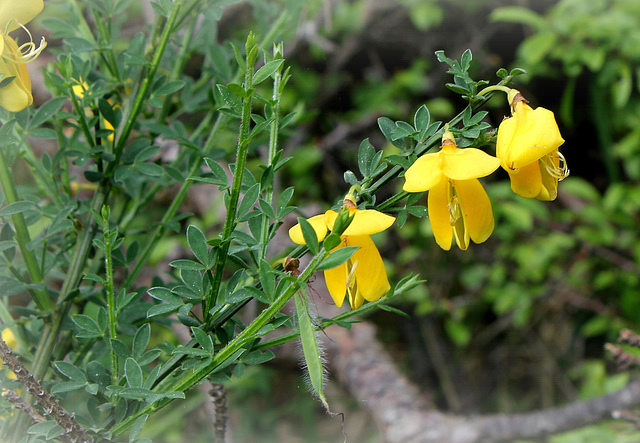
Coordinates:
50 405
108 286
273 144
40 296
131 117
238 173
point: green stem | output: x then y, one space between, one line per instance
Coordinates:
238 173
108 286
273 144
132 116
81 117
247 335
40 296
105 44
179 64
176 203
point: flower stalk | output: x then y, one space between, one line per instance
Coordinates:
234 196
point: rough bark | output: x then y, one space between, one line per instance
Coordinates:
404 414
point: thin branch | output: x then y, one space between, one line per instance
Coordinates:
406 415
70 427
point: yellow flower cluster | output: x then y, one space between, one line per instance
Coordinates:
15 84
363 276
458 206
527 148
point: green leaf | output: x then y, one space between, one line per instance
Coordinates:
16 207
266 71
89 327
70 371
230 99
338 257
45 111
189 265
133 373
267 279
150 169
141 340
331 241
198 245
366 154
518 14
249 200
204 340
67 386
309 235
169 88
258 357
164 294
136 428
394 310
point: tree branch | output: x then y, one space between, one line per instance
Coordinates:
406 415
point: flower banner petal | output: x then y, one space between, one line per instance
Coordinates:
18 12
535 135
424 174
467 163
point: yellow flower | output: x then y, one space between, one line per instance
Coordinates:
15 94
363 276
527 146
458 204
79 89
11 341
9 338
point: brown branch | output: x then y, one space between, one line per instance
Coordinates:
70 427
405 415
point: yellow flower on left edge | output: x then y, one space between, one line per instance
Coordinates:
15 94
363 276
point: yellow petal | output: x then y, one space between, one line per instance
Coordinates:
16 95
476 209
424 174
438 206
467 163
365 221
526 181
318 225
355 299
19 12
370 274
549 189
336 280
456 217
9 338
527 136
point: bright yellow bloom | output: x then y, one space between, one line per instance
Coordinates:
527 146
16 94
9 338
79 89
363 276
458 204
11 341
